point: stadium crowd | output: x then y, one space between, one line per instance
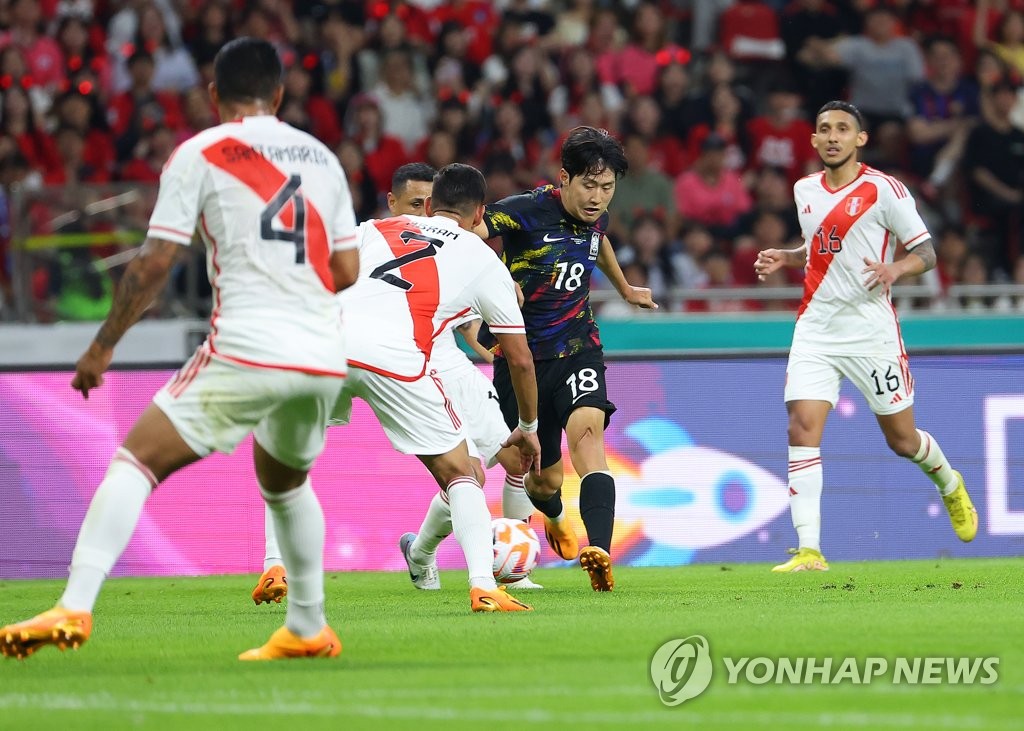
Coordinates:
713 99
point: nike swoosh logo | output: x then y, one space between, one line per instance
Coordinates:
551 241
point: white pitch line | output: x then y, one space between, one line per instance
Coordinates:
688 716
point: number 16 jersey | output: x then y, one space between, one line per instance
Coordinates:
865 218
271 203
417 276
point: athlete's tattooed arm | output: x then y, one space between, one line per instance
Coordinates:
143 279
926 253
918 261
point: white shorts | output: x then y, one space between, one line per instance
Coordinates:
476 401
885 381
416 415
214 404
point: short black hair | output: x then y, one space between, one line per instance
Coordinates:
458 188
939 40
246 70
418 171
591 151
841 106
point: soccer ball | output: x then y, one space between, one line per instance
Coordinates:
516 550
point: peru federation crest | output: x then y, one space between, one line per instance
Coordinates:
854 205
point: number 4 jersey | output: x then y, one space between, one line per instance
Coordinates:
271 204
864 219
417 277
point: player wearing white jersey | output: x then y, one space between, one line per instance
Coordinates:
275 213
472 397
853 219
421 275
474 400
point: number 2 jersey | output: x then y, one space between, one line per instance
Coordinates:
272 203
865 218
551 256
418 277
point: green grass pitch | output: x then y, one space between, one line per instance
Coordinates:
162 653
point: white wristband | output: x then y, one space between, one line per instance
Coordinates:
528 427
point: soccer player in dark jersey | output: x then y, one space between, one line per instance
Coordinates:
553 237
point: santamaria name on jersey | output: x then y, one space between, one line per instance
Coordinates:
273 153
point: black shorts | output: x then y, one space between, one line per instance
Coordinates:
563 385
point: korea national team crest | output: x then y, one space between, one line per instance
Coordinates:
854 205
595 244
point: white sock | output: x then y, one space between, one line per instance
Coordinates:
471 523
299 524
515 503
805 478
271 552
934 464
108 526
437 525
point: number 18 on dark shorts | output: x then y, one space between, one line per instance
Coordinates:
563 385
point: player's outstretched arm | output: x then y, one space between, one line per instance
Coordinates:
771 260
469 331
607 263
144 278
524 382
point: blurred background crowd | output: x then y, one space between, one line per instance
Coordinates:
714 101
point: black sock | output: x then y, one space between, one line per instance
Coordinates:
597 508
551 507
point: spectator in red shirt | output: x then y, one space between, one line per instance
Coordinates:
451 68
382 154
711 194
727 122
212 30
84 112
19 122
365 194
635 67
679 112
768 232
666 153
477 17
298 87
73 169
453 118
510 137
578 80
199 114
43 55
718 269
779 138
749 32
439 149
153 150
80 57
531 79
141 108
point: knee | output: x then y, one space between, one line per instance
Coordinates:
800 431
541 487
904 445
448 468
